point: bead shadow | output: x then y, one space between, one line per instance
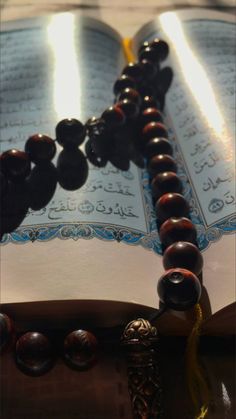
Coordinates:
72 168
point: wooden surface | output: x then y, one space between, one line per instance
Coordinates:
50 398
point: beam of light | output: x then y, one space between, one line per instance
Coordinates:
197 80
66 79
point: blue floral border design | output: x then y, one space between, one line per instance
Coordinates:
79 230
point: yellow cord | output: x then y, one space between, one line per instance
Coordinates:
128 52
197 385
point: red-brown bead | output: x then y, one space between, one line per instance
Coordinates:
150 115
161 163
179 289
134 70
130 94
171 205
80 349
70 133
176 229
165 182
34 355
157 146
15 164
161 48
153 130
40 148
183 255
114 117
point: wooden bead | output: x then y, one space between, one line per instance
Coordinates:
161 48
183 255
149 102
3 184
156 146
34 355
15 165
165 182
171 205
161 163
179 289
72 168
70 133
150 115
149 69
176 229
130 94
80 349
149 54
134 70
129 108
122 83
154 130
6 331
114 117
40 148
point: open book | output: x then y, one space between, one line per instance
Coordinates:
94 254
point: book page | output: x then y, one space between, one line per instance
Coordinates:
200 112
99 242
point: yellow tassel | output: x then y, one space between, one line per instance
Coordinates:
197 385
127 48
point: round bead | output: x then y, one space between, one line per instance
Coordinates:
15 164
40 148
3 183
161 48
179 289
149 69
154 129
6 331
176 229
130 94
149 54
150 115
34 354
129 108
149 102
114 117
70 133
183 255
161 163
143 46
72 168
80 349
134 70
122 83
157 146
171 205
165 182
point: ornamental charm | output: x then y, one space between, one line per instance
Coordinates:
144 381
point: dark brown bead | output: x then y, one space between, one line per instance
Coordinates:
161 163
6 331
34 354
179 289
70 133
134 70
153 130
176 229
171 205
114 117
122 83
15 164
129 108
80 349
161 48
165 182
149 69
3 184
183 255
130 94
40 148
149 102
149 54
157 146
150 115
143 46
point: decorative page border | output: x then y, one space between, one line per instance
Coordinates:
102 231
